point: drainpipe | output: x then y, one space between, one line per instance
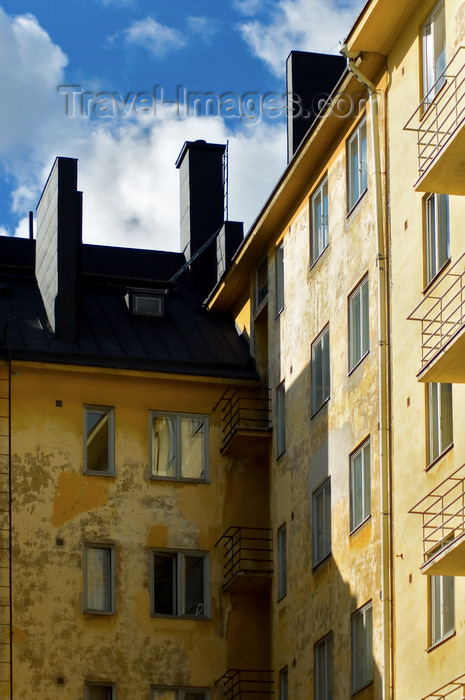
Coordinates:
382 378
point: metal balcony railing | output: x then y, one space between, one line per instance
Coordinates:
441 312
248 551
443 513
454 690
440 113
246 684
245 410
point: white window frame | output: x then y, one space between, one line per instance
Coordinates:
324 668
359 338
282 561
440 433
107 413
441 608
436 234
284 683
176 446
319 221
178 558
321 501
357 164
88 687
362 647
433 57
280 419
360 488
279 273
179 692
321 370
109 609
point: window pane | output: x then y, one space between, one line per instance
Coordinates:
446 415
279 278
434 52
365 319
439 411
362 647
194 581
443 228
354 189
282 561
357 490
448 604
363 158
283 684
327 525
192 447
98 579
281 418
164 584
355 328
194 695
164 446
262 281
98 440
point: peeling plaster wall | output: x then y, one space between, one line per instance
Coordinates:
322 599
53 499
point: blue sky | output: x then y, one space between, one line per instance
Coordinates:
114 50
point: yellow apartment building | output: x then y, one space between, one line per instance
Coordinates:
352 278
197 509
126 537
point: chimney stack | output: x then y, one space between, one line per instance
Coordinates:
310 77
58 247
201 167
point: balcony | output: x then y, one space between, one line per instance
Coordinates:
443 513
442 316
246 422
246 685
248 558
454 690
439 122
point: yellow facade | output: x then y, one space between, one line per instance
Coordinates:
57 508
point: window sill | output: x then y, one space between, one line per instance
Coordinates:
178 480
88 472
354 692
354 206
325 559
105 613
359 362
314 263
434 279
315 412
439 457
360 525
281 597
441 641
202 618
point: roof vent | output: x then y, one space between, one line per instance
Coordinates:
146 302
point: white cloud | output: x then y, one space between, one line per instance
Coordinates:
156 38
206 27
131 185
31 67
126 165
249 7
303 25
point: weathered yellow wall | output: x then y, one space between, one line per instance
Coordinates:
52 499
417 671
322 600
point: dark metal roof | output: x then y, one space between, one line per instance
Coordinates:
186 340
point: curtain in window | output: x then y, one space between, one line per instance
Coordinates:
98 578
164 446
192 447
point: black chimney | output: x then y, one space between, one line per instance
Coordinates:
58 247
310 77
201 167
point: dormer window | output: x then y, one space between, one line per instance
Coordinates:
146 303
